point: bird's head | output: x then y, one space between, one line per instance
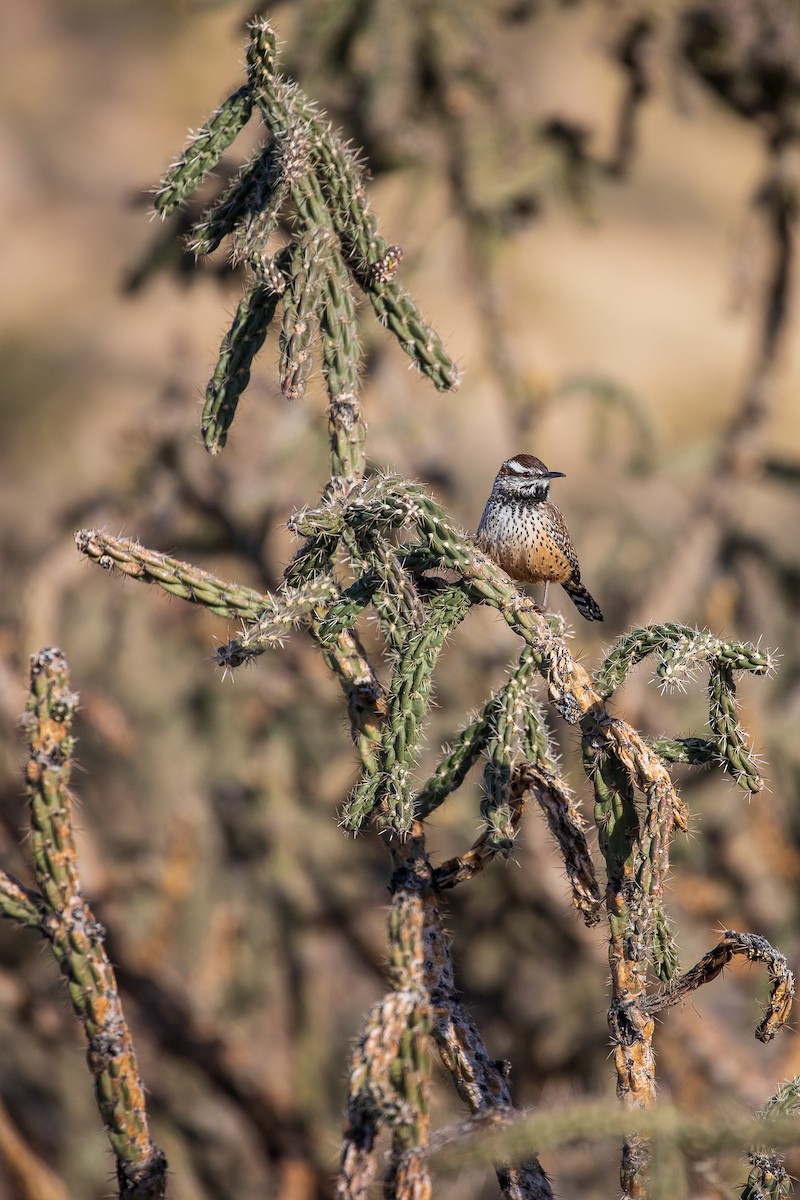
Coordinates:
526 476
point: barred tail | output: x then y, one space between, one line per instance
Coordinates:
586 605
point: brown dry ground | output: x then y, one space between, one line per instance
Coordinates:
207 808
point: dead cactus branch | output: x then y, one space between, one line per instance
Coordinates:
751 947
60 912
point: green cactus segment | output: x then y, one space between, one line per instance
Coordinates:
204 151
48 725
390 789
534 738
18 903
664 951
373 264
510 713
341 352
615 813
729 736
768 1178
496 808
300 320
387 503
279 615
76 937
694 647
306 172
346 658
395 598
347 437
252 199
786 1101
694 751
408 1076
314 557
232 373
174 576
454 767
347 608
339 188
630 945
389 1077
262 52
342 178
278 176
471 741
396 310
682 649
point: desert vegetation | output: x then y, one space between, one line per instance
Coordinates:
370 859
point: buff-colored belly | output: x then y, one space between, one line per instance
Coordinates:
525 546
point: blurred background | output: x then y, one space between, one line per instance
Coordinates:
597 204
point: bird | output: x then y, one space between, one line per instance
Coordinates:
525 534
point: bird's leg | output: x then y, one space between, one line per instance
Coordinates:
544 594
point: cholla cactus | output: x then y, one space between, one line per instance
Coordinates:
305 175
370 543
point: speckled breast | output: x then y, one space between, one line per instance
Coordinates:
529 541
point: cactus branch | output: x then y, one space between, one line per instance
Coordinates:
755 949
76 937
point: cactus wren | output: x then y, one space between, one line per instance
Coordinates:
525 534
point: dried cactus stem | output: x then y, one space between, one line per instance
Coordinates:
77 938
632 1027
752 947
567 828
389 1073
480 1081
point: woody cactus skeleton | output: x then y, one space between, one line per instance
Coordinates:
369 545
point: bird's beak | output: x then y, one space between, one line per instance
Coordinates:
556 475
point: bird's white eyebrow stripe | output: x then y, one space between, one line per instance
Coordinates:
513 465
